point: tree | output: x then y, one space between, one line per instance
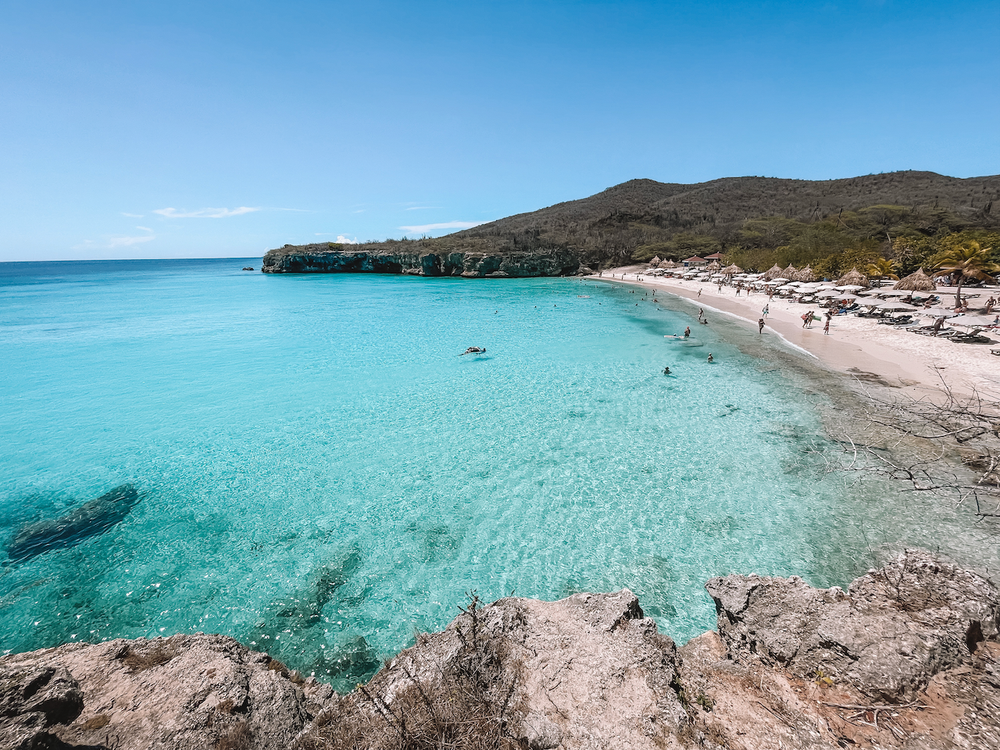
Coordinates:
882 268
968 261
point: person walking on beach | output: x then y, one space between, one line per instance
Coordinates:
765 311
760 326
699 291
806 319
826 326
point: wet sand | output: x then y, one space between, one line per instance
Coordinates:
856 347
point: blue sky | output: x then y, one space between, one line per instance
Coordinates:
210 129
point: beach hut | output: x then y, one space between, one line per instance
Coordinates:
772 273
789 273
853 278
806 275
918 281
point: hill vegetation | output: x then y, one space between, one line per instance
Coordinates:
901 218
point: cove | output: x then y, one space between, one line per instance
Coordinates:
321 473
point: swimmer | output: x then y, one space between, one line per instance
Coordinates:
666 370
711 358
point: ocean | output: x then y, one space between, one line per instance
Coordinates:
320 473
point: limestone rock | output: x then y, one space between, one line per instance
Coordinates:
889 635
414 259
32 699
589 671
184 692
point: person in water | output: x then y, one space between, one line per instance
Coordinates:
473 350
687 331
711 358
666 370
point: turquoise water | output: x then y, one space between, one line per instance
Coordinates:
320 473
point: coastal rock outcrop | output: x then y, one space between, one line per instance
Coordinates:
589 671
907 657
888 635
186 691
413 259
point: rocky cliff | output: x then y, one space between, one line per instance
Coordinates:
414 258
907 657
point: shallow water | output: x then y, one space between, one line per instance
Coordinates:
320 473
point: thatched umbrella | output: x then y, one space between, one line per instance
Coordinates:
773 272
853 278
789 273
918 281
713 266
655 261
668 264
732 270
806 274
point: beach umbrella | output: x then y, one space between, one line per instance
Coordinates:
732 270
974 321
655 261
827 293
772 273
789 272
849 288
853 278
939 314
918 281
778 280
806 274
713 266
897 307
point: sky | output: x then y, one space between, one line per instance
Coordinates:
223 129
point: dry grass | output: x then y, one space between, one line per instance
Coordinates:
469 705
152 655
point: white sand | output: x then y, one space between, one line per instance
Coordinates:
913 362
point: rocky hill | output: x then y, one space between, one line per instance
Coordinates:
633 220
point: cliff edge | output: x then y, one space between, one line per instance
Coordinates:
417 259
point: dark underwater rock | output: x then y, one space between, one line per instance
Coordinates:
90 519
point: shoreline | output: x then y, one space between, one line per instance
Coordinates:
855 347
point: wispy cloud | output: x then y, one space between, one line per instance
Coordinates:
126 241
443 225
341 239
421 208
145 229
113 242
132 216
204 213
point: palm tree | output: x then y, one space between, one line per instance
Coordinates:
969 261
882 268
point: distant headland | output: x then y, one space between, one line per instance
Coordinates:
752 220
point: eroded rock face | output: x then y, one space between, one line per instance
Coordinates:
409 258
888 635
198 691
32 699
584 672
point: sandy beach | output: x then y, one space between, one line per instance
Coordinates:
916 364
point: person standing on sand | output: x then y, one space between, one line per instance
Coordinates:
806 319
760 326
826 326
765 311
699 291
